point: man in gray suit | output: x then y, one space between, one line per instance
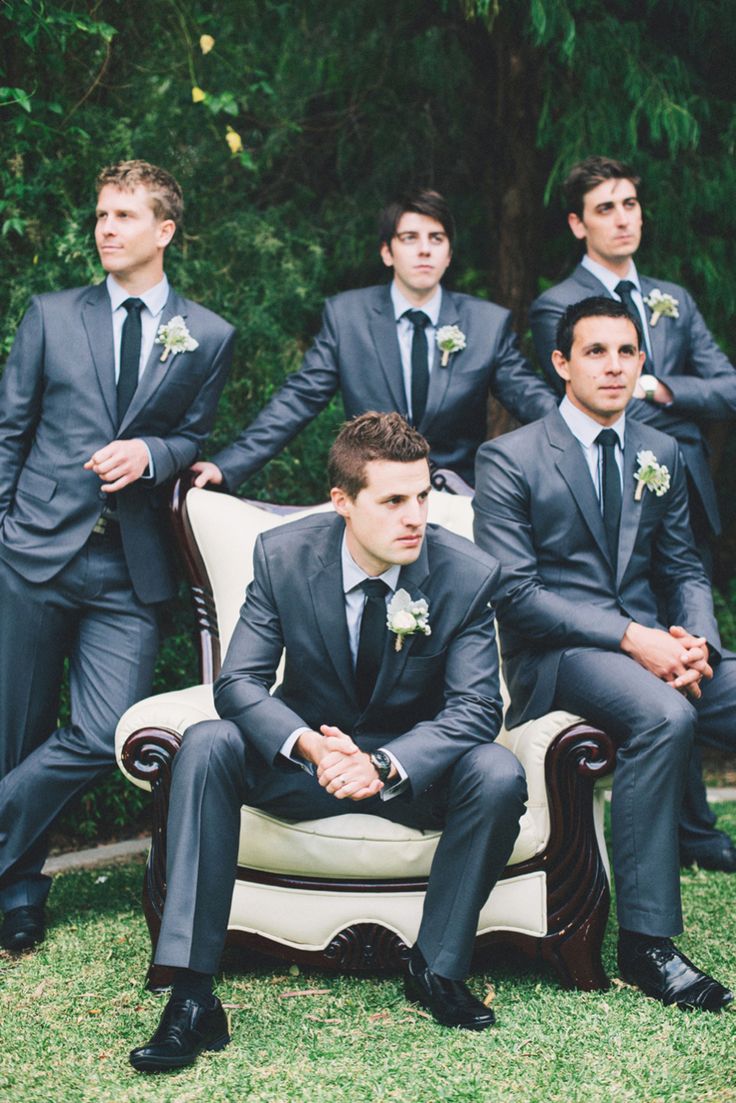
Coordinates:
358 725
412 346
108 392
587 512
688 382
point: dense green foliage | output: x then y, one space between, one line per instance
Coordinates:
291 129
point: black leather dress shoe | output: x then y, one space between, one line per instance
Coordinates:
186 1028
23 927
449 1001
720 855
658 968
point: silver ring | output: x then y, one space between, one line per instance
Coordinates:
343 782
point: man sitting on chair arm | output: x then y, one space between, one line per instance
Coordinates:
587 512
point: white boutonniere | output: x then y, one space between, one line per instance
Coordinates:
175 337
405 617
449 339
651 474
661 305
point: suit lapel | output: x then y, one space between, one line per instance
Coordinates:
155 370
97 321
439 378
571 464
590 283
386 341
393 662
657 334
328 601
630 508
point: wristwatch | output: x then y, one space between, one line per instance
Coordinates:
648 384
381 763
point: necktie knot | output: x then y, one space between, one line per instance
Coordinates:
134 304
417 318
374 588
624 288
608 438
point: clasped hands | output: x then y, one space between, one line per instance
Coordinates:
677 657
119 463
342 768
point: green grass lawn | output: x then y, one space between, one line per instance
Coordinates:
70 1012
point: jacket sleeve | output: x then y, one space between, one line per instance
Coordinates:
544 316
472 709
304 394
21 390
514 382
707 389
180 448
242 691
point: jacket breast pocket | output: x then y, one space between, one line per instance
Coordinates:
35 485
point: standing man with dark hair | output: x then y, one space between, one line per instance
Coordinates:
357 725
108 392
605 611
412 346
687 382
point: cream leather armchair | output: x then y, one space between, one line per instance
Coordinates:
347 892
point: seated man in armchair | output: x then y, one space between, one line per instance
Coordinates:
385 712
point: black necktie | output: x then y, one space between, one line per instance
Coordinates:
419 364
130 355
623 289
608 439
372 638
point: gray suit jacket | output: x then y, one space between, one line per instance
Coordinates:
536 510
686 358
434 699
58 406
357 353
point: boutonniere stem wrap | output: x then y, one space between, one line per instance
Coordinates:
650 474
449 339
405 617
661 305
175 337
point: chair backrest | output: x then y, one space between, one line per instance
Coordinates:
225 530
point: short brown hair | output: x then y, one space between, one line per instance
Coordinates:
370 437
165 194
597 306
426 202
588 174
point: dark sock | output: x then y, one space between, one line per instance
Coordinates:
190 985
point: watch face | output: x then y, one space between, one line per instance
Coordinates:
648 382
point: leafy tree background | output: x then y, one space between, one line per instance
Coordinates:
293 127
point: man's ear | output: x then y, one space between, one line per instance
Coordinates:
341 501
560 365
577 226
166 230
386 254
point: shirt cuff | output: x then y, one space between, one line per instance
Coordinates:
399 784
150 472
287 750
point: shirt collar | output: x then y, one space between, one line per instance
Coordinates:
431 308
608 278
585 428
353 575
154 299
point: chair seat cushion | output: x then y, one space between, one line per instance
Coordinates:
353 846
